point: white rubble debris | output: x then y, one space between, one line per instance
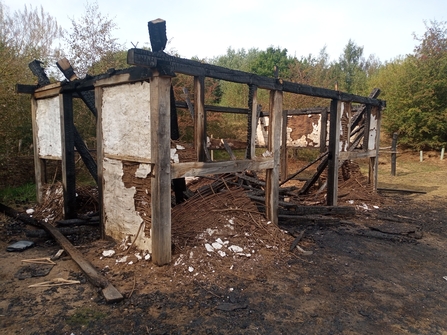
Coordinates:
108 253
30 211
208 247
179 260
138 256
217 245
190 269
147 257
235 248
222 253
179 147
122 259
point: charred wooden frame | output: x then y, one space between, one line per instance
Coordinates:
158 68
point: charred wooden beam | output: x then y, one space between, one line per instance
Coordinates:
169 64
110 293
19 216
68 156
157 34
360 111
26 89
315 177
88 97
322 210
228 149
36 68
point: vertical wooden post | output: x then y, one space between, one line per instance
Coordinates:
161 169
393 154
199 118
68 156
367 127
323 130
274 138
254 123
284 156
374 161
100 157
334 149
39 164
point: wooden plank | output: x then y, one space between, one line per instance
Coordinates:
68 156
126 158
228 149
376 112
88 97
150 59
393 154
194 169
323 210
110 293
274 140
100 159
188 102
367 129
200 118
283 154
334 147
48 91
255 108
323 130
306 111
26 89
85 154
211 108
160 154
315 177
303 168
353 155
39 168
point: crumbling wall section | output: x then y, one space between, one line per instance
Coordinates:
48 122
302 131
126 141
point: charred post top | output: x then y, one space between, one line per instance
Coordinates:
157 34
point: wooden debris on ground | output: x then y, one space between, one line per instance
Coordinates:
56 282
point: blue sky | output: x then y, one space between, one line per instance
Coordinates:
207 28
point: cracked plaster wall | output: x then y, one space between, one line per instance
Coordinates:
126 133
48 121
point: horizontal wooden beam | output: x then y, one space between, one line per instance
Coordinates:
128 75
352 155
168 64
26 89
195 169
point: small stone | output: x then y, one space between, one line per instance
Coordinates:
208 247
235 248
108 253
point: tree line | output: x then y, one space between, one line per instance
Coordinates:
414 85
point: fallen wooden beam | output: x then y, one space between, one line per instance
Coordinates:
399 190
110 293
16 215
322 210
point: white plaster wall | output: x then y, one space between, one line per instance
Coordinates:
372 132
312 139
48 121
121 219
126 120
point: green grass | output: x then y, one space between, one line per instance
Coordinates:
84 316
24 193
